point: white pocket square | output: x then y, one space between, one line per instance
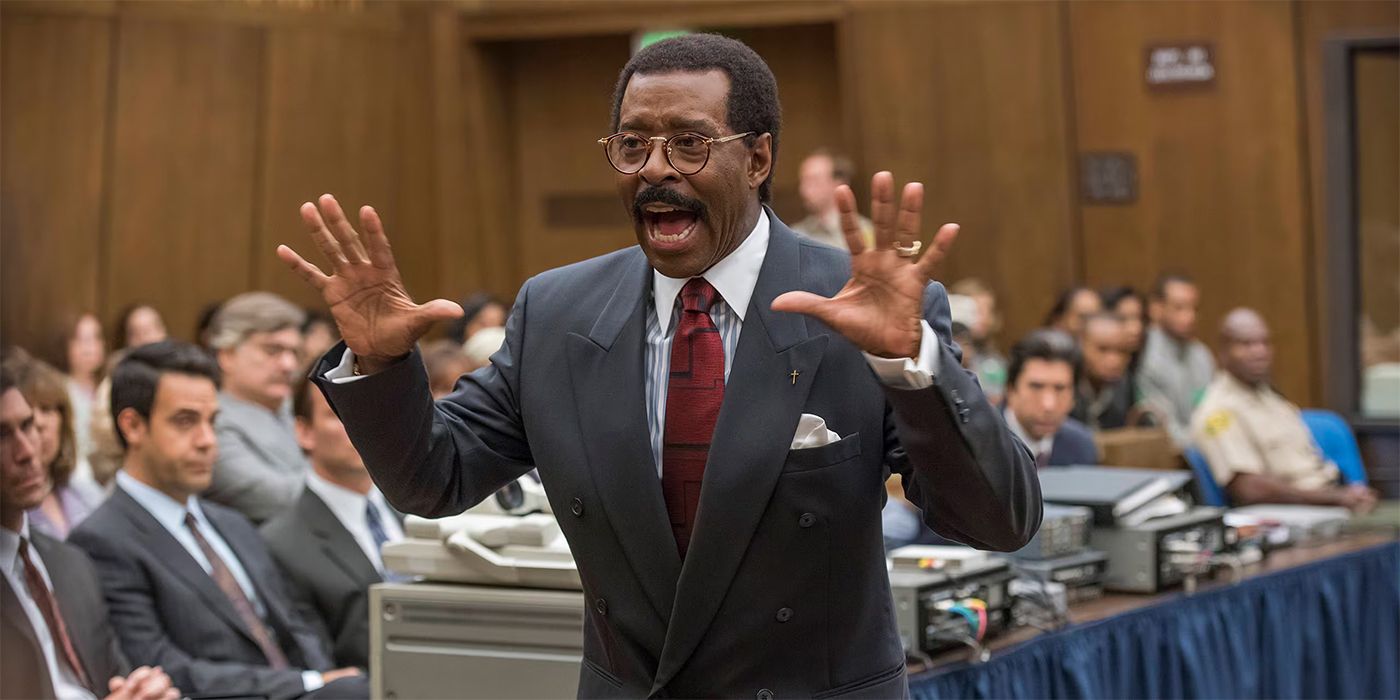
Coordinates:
812 432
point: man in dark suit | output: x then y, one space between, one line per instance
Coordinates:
328 543
189 584
54 633
1040 381
716 457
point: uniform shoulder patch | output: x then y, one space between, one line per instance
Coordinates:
1218 422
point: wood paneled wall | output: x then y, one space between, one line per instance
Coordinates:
159 150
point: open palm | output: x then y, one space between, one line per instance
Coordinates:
377 318
881 306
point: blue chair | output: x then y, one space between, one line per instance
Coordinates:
1210 491
1338 443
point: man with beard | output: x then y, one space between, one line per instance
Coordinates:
713 412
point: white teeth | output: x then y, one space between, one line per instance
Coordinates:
660 237
659 208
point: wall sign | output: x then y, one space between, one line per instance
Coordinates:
1180 65
1107 177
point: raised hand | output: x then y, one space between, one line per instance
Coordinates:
377 318
881 307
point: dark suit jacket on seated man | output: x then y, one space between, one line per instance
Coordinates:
328 543
55 638
189 584
716 559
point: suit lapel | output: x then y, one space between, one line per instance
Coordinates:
34 678
337 542
762 404
167 550
607 370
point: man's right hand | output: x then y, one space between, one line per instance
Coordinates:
144 683
377 318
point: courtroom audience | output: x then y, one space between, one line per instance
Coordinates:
105 457
1176 367
990 363
1131 306
72 495
1104 394
479 310
85 353
1040 383
1071 308
55 633
445 361
820 173
1254 439
260 468
189 584
203 323
138 324
328 543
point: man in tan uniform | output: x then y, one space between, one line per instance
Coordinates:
1255 440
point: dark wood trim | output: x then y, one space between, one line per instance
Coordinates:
538 19
1342 375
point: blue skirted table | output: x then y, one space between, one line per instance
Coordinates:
1327 628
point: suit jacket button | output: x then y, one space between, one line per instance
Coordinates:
601 606
784 614
807 520
577 507
765 694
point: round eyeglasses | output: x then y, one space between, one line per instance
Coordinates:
687 152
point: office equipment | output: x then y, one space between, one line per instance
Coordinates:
1161 552
1063 530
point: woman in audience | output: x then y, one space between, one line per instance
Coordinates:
138 324
982 326
1132 306
1071 308
74 494
86 353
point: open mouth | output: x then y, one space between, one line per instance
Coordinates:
667 223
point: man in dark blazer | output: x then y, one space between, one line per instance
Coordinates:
712 430
1040 380
74 652
328 543
189 584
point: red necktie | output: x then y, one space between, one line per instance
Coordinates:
48 607
694 393
223 577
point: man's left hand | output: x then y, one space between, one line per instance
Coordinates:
881 308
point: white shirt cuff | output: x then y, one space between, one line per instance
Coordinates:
312 680
344 373
904 372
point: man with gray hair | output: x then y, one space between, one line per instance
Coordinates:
257 340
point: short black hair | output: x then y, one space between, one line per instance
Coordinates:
1159 288
301 403
1043 344
136 377
472 306
8 380
753 92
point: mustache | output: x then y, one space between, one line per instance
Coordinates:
663 195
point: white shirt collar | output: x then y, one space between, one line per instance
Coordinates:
734 277
9 544
169 512
1043 445
348 505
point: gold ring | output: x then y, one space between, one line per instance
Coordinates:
910 251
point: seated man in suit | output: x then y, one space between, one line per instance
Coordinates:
1254 439
260 469
189 584
1039 394
328 542
54 633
